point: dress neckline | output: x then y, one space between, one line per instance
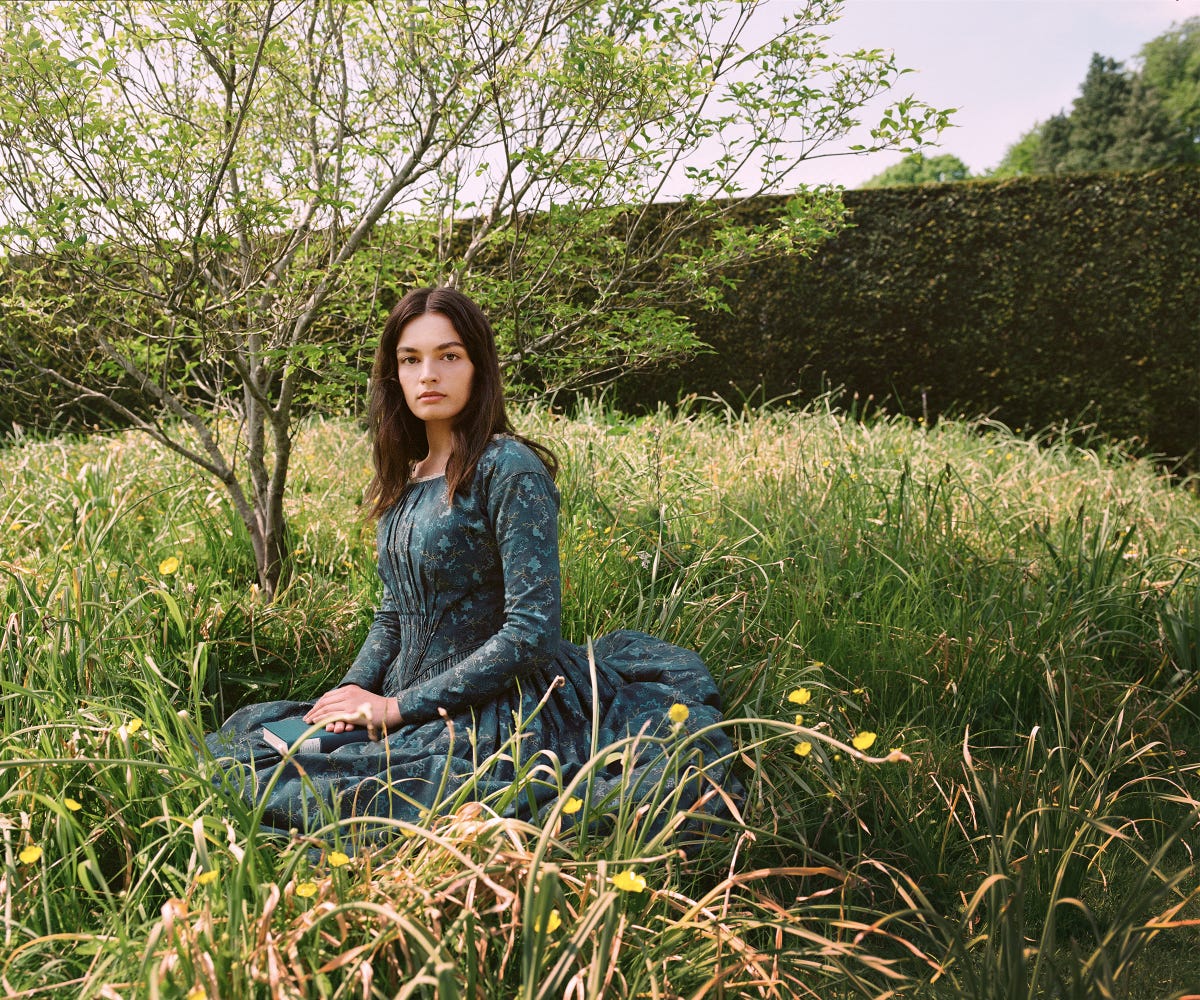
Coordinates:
428 479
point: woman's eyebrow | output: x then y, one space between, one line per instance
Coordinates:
440 347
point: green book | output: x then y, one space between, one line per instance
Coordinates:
298 736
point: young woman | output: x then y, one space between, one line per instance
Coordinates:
465 650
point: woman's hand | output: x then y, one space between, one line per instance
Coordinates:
346 707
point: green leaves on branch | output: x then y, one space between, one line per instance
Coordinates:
216 179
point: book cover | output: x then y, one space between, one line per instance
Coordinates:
284 735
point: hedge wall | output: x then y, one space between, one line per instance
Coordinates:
1035 300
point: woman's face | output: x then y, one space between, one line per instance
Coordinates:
434 369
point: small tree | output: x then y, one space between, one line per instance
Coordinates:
190 189
917 168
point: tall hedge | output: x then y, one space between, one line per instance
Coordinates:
1035 300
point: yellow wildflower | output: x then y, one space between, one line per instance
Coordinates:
72 804
803 749
629 881
337 859
799 720
678 714
134 725
168 566
15 526
553 923
306 889
801 696
863 740
206 878
572 805
29 855
196 993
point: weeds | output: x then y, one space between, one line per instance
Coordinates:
1012 622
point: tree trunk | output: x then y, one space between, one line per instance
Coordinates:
264 514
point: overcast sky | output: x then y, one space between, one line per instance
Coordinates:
1005 64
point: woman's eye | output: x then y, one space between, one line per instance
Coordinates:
450 357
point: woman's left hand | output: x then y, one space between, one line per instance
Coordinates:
346 707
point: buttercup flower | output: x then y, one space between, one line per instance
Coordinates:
801 696
207 878
863 740
168 566
799 720
553 923
134 725
678 714
629 881
306 889
30 855
337 859
572 805
196 993
72 805
803 749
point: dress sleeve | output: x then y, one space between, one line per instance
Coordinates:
382 645
523 511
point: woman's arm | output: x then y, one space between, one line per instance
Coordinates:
381 646
523 511
356 701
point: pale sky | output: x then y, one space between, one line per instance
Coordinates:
1005 64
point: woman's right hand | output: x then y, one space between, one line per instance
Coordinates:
349 706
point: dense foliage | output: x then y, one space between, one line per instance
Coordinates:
1124 118
1035 300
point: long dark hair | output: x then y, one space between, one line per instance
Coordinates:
398 438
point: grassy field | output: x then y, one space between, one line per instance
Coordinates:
1015 621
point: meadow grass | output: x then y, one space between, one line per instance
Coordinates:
960 667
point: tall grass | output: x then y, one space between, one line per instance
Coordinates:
1013 619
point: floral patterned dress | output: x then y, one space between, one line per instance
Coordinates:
467 640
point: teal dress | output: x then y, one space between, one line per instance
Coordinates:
466 639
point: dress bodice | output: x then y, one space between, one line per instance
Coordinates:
470 588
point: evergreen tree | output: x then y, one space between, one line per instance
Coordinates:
1145 135
1055 144
1096 116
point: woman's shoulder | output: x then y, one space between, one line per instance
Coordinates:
506 456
